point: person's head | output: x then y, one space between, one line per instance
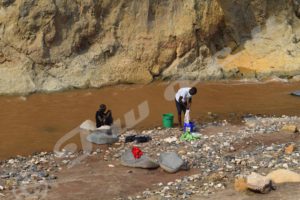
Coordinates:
102 108
193 91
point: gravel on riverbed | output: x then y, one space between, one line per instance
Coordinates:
218 157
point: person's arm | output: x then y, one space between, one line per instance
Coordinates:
97 118
98 123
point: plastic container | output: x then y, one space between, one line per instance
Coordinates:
189 127
168 120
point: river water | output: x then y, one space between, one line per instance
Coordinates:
35 123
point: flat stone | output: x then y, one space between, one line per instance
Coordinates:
170 162
102 136
128 160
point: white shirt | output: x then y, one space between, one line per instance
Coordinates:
184 93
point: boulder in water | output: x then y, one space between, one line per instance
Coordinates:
170 162
128 160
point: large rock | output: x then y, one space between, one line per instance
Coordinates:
128 160
170 162
103 135
259 183
55 45
284 176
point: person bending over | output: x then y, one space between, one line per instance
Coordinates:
102 117
183 100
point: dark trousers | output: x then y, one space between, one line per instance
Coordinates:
180 107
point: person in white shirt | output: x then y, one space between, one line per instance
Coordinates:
183 100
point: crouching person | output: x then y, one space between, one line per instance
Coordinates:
103 117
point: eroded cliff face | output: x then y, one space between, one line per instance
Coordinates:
50 45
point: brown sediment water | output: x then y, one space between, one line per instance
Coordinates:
37 122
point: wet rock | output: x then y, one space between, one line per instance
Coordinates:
170 162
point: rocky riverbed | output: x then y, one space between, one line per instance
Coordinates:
223 153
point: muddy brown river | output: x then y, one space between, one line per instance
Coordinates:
35 123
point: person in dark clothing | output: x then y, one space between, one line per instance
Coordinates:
102 117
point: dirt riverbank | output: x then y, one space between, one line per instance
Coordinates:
223 152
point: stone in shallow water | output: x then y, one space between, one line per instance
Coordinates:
128 160
170 162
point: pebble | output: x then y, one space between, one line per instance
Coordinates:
270 148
